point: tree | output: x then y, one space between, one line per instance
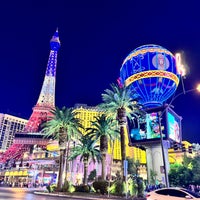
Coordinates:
196 170
86 149
63 126
180 175
119 103
137 181
153 175
196 148
102 129
133 166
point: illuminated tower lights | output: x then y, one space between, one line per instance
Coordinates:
46 101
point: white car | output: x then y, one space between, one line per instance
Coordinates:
172 194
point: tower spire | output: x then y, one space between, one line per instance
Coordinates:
41 111
46 100
47 94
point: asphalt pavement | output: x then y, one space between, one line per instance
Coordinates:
42 193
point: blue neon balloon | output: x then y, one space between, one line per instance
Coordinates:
151 72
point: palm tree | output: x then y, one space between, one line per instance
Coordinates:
86 149
102 129
63 126
119 103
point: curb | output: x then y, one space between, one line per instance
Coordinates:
75 196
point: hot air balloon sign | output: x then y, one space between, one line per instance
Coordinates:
152 74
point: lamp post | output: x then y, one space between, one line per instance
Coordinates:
163 150
160 129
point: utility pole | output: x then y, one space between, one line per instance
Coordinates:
163 151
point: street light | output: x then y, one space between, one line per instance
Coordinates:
160 129
185 92
163 151
198 88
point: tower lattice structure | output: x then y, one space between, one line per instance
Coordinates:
41 111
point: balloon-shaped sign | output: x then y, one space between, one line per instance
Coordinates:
151 72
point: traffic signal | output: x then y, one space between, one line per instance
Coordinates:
21 163
183 147
175 146
190 149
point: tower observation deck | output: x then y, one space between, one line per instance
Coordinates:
41 111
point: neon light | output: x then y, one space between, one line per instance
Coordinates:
179 64
146 50
150 74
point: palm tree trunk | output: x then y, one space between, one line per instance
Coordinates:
64 165
103 173
121 117
123 150
60 173
111 164
104 150
66 156
85 176
62 144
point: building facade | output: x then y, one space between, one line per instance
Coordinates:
9 125
113 157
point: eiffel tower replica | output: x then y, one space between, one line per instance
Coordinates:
31 134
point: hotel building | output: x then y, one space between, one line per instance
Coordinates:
9 125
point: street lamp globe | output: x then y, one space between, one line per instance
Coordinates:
198 87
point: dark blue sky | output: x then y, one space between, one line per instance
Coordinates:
96 36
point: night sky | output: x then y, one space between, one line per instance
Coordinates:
96 36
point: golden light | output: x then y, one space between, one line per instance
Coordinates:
198 87
15 173
25 173
53 145
26 155
7 173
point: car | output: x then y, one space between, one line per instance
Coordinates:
172 194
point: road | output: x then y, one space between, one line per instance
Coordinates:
24 194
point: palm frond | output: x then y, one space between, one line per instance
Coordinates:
120 97
63 120
86 149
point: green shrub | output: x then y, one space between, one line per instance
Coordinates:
92 190
71 188
51 188
82 188
48 188
101 186
65 187
132 187
140 187
92 175
117 188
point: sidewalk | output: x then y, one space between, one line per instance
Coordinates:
81 196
